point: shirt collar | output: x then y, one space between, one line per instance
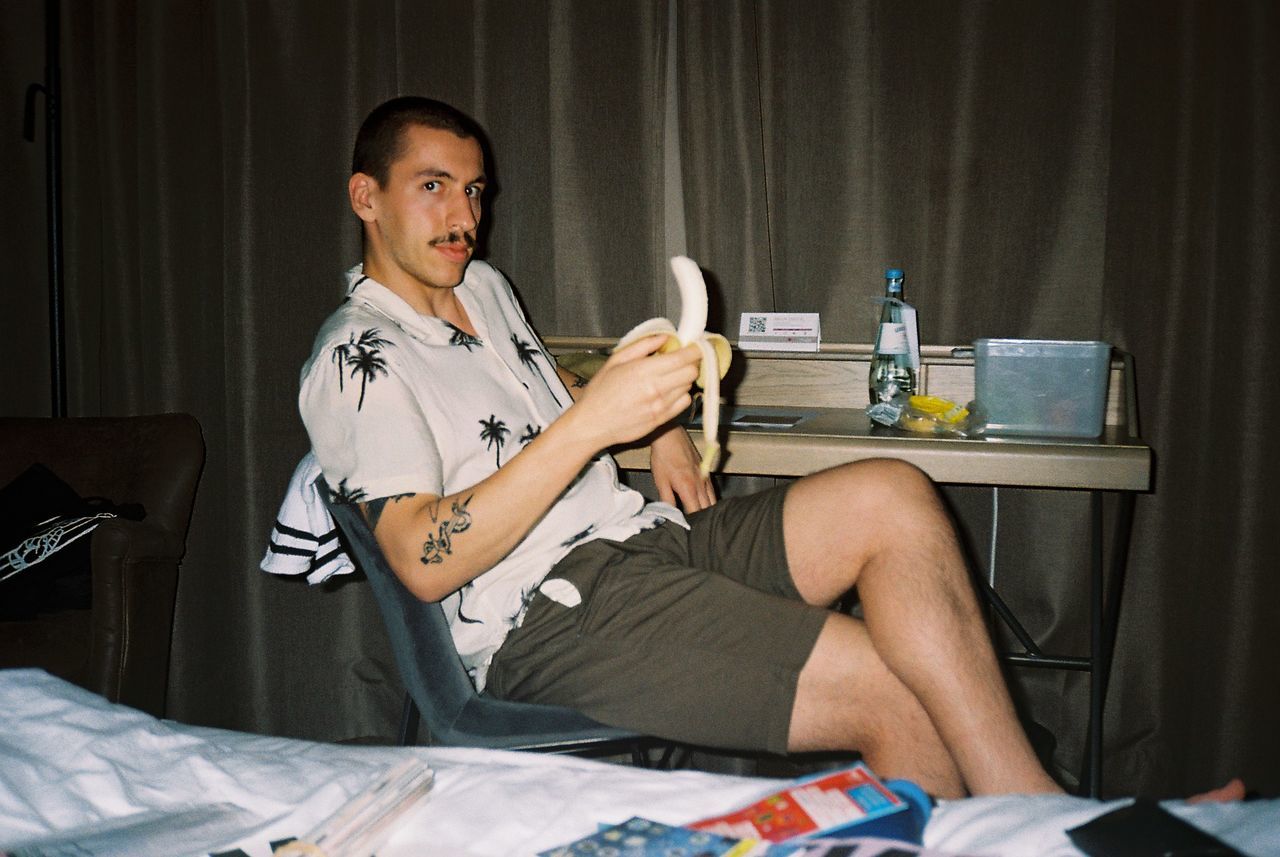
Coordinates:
373 294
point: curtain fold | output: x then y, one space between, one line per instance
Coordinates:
1192 272
1100 170
726 192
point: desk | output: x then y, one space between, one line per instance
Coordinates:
831 386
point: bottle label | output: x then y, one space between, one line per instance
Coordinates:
892 339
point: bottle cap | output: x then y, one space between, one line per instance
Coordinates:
893 273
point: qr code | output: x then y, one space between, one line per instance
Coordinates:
756 324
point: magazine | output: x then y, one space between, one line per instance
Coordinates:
640 837
844 802
847 812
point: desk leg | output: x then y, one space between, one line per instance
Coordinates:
1105 589
1097 681
1104 617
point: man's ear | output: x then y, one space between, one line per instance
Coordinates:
360 190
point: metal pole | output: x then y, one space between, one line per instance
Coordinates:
52 91
53 191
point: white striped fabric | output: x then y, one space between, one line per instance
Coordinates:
304 539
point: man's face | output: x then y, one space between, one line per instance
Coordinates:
423 221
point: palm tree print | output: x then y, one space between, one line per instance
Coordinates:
343 494
528 354
530 432
461 337
364 355
495 432
577 537
339 359
526 598
462 596
367 363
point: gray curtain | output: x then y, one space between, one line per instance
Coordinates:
1045 169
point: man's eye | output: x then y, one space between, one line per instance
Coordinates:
431 186
474 191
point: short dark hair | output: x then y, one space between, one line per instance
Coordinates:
381 137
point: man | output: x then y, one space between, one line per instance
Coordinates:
483 470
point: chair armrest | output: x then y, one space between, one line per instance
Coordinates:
135 581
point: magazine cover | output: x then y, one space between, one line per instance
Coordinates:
826 804
640 837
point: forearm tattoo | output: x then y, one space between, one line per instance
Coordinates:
440 543
373 509
578 381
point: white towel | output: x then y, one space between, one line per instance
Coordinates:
304 539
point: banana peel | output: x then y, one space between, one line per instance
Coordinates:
716 353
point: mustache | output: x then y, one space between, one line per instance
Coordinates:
456 238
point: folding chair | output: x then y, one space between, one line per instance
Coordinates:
438 688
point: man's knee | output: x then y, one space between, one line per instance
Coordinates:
837 520
884 483
867 478
896 474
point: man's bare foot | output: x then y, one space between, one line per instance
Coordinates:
1233 790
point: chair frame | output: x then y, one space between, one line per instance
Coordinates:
439 692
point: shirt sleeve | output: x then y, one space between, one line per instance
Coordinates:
366 427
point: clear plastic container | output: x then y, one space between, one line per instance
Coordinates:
1041 386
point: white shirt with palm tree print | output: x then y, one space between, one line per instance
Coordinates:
396 402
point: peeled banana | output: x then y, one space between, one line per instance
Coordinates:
716 353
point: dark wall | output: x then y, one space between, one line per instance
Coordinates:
24 349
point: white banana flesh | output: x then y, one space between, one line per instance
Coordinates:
716 353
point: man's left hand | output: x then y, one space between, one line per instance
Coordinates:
673 460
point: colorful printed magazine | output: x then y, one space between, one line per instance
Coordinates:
639 837
829 804
843 813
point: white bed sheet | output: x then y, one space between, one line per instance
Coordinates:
75 767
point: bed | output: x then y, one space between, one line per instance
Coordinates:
114 781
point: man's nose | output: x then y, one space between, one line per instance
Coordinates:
462 215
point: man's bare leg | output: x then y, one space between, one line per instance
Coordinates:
1233 790
849 699
916 687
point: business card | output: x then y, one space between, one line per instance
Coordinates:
779 331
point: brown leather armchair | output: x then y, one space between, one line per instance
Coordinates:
119 647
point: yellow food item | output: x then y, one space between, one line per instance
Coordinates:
943 410
932 415
716 353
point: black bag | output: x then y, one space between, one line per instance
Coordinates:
1146 829
44 545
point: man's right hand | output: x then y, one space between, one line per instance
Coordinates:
635 392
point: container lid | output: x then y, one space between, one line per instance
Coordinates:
1018 346
893 273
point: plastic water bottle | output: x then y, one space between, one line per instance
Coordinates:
891 374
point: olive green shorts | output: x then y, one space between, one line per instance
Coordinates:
695 636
